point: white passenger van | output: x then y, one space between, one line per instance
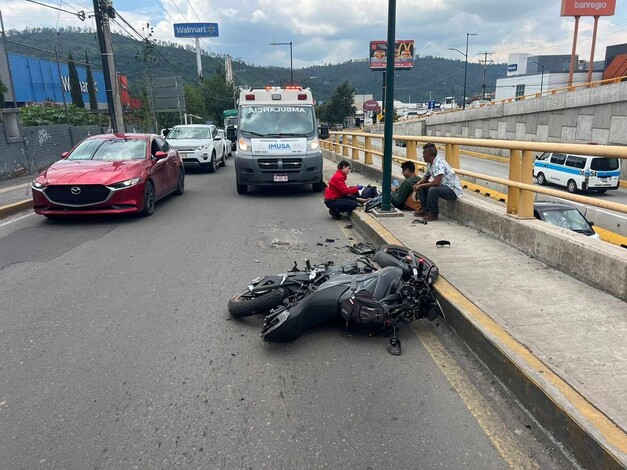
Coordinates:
277 139
577 172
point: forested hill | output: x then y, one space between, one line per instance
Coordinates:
431 76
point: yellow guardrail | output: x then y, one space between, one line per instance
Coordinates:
521 190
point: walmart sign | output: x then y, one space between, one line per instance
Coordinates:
196 30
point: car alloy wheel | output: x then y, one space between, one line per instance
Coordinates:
180 186
149 199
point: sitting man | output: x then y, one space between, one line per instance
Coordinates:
445 184
401 196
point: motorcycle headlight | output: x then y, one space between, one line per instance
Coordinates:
125 184
314 144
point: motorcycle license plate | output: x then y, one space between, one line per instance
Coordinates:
280 178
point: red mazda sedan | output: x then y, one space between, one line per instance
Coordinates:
110 174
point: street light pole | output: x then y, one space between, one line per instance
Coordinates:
466 67
541 74
291 63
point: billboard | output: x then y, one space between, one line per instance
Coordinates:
38 80
196 30
588 8
168 94
403 54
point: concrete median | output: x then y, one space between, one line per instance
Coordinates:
14 208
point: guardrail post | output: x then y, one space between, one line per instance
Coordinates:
452 155
515 157
345 145
525 203
411 150
355 147
336 139
367 154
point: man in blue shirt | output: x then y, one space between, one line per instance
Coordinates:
440 181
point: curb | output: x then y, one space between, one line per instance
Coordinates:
11 209
584 432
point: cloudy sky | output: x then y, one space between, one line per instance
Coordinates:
332 31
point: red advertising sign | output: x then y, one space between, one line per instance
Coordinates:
403 54
588 8
372 105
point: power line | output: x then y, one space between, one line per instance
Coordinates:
80 14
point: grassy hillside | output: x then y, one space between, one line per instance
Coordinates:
430 76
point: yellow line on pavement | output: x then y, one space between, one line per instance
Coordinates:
13 188
16 207
611 237
500 434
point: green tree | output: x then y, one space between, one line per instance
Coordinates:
53 113
195 101
75 84
218 95
141 118
340 106
91 89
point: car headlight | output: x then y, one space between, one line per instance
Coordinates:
37 185
314 144
203 146
244 144
125 184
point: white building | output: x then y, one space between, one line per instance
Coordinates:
529 75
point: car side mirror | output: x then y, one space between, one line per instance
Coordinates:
591 223
160 154
323 131
64 155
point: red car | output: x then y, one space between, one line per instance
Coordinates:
110 174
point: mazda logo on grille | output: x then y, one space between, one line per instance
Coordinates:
75 190
280 164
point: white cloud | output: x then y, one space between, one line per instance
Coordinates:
327 31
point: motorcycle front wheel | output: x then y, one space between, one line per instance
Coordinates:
246 304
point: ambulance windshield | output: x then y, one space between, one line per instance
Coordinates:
277 121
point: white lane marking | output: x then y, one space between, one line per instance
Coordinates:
16 219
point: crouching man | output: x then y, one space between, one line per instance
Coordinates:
440 181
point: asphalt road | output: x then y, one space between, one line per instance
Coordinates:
117 352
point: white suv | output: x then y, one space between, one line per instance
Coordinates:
199 145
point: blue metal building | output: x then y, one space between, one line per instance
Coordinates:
38 80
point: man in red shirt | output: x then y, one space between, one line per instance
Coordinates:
341 198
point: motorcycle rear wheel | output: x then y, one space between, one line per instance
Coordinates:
246 304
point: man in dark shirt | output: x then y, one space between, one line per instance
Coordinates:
401 195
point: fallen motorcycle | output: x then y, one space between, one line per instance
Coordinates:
389 298
267 292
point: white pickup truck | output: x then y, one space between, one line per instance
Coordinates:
199 145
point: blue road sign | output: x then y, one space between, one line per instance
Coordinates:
196 30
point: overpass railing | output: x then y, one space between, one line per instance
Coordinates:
520 185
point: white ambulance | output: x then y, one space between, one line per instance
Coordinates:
277 139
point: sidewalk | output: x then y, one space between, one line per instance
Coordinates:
15 195
560 335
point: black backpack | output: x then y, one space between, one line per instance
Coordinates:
369 192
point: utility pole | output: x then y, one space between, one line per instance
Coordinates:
485 67
108 64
